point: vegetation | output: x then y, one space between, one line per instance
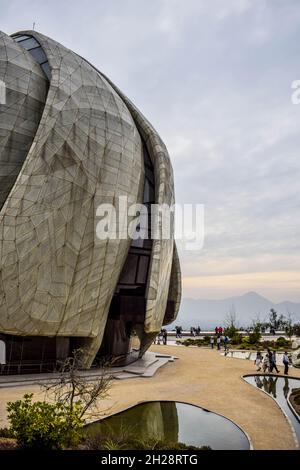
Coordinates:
255 335
58 424
231 325
295 400
195 342
42 425
71 388
252 341
129 442
296 329
275 322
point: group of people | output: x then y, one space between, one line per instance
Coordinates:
195 331
218 341
267 363
219 330
178 330
162 337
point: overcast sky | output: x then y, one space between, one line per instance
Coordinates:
214 78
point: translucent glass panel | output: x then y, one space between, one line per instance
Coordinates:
31 45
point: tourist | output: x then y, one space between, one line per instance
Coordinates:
272 360
198 331
266 364
160 337
273 365
258 361
286 361
226 341
216 330
165 337
177 329
212 342
219 342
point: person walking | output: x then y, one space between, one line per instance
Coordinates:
165 336
219 342
272 361
258 361
266 364
274 365
286 361
226 341
212 342
160 337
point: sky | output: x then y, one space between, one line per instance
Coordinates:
214 78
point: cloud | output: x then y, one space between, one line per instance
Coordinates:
215 80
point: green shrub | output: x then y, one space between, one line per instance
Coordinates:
282 342
6 432
192 342
236 339
42 425
231 331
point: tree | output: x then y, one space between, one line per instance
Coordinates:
71 386
73 398
255 335
288 325
231 324
296 329
275 322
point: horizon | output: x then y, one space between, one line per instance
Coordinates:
241 295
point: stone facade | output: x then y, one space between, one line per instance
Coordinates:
70 141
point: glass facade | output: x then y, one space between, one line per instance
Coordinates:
32 45
125 322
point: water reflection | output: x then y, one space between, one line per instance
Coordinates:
174 422
278 388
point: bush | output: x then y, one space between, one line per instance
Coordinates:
6 432
42 425
192 342
236 339
231 331
282 342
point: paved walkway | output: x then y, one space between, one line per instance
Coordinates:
201 377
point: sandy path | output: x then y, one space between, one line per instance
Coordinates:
201 377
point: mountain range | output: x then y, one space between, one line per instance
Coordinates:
210 313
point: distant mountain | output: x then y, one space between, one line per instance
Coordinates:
209 313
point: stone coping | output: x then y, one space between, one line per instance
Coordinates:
281 409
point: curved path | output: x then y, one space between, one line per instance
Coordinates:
205 378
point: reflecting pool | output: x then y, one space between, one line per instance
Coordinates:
174 422
278 388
